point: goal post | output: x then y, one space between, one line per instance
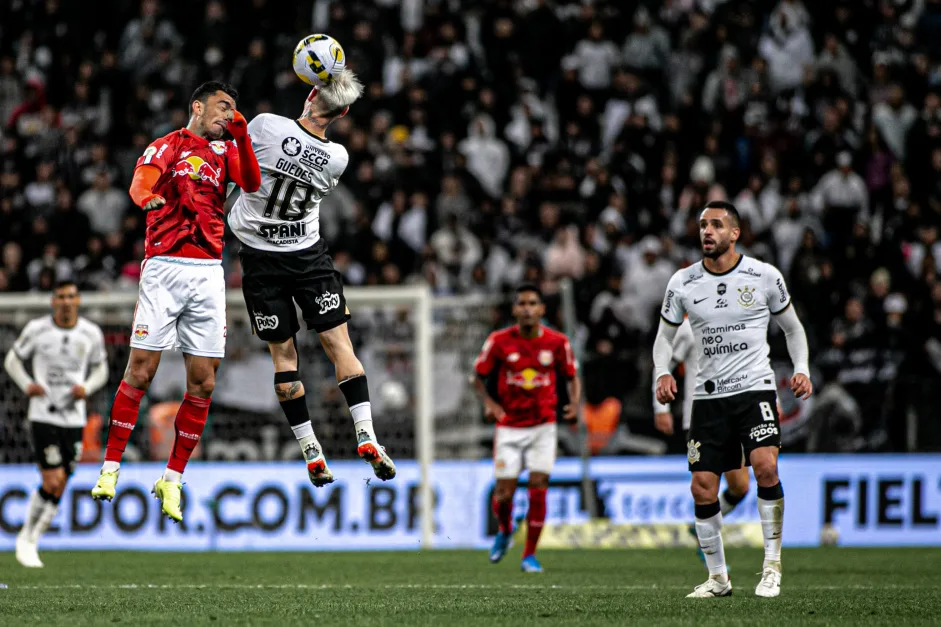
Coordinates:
377 325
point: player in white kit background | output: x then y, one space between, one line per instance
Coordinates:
730 300
685 354
285 261
66 354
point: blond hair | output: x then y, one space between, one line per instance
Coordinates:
343 90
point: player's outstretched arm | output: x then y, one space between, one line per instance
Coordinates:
245 171
662 358
17 371
797 349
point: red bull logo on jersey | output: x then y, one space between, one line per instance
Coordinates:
528 379
197 169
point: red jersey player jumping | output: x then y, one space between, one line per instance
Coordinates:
526 360
180 182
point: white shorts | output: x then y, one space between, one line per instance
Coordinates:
181 304
532 448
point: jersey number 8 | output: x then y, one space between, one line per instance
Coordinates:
766 414
291 205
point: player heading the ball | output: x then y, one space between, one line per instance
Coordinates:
180 182
286 261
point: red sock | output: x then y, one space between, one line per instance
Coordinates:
189 425
124 412
504 514
534 519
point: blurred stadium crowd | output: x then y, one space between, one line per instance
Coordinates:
509 140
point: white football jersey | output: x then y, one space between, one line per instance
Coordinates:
729 315
297 171
61 358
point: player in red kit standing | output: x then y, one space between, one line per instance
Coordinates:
180 182
526 361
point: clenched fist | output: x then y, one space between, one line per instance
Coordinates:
666 389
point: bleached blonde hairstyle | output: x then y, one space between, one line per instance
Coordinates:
331 100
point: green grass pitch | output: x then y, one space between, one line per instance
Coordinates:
616 587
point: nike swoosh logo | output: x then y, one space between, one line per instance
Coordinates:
764 437
696 302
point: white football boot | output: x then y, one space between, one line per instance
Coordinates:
715 586
27 553
770 584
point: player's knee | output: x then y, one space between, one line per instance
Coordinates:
284 355
705 489
337 345
201 382
503 495
764 463
738 482
766 473
54 483
139 373
539 481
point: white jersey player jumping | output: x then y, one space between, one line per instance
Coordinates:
69 364
730 299
285 261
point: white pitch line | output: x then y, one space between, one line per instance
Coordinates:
413 586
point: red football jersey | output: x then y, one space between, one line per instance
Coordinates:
526 373
193 177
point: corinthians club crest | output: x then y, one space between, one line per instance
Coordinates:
692 451
746 296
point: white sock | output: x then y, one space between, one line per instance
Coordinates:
110 466
303 431
725 505
172 476
772 523
362 421
709 532
308 439
33 510
48 512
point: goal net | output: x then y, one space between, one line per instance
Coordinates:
418 353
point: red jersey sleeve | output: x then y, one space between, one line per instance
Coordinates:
232 166
160 154
566 358
489 357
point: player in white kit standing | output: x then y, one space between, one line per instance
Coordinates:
285 261
685 353
69 364
730 299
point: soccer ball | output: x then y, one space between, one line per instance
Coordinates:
393 395
829 535
318 59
